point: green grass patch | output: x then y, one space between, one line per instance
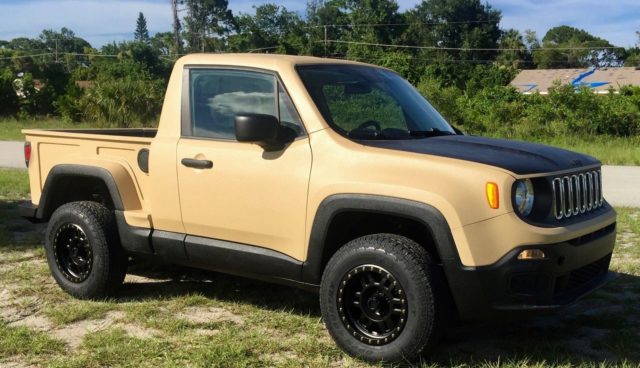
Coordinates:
115 348
629 220
77 310
14 183
11 129
609 150
21 341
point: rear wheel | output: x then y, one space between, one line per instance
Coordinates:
380 298
83 250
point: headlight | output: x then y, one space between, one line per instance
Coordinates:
524 197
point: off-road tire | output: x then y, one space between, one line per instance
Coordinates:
421 281
108 265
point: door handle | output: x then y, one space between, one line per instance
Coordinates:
197 164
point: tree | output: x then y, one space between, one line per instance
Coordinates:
63 45
142 33
515 52
374 22
321 17
453 24
457 34
176 27
272 29
8 98
206 22
569 47
164 43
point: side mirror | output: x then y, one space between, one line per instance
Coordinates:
257 128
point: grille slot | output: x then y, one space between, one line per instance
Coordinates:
583 275
576 194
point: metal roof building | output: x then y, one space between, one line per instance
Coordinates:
599 80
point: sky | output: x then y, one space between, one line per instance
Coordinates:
102 21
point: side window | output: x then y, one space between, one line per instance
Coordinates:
218 95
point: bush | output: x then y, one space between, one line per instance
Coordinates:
502 111
8 97
69 104
124 102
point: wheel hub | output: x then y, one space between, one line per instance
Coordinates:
72 252
372 304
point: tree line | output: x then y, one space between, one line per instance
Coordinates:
452 45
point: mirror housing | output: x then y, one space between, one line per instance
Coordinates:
260 129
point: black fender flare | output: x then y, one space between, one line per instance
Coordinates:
60 172
333 205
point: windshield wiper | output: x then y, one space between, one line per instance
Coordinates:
434 132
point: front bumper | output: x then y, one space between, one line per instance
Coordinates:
570 270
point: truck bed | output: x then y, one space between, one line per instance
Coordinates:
97 147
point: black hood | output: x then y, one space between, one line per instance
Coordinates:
516 156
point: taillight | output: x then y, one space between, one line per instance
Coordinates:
27 153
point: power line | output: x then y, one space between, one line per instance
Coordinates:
262 48
24 56
54 54
96 55
466 48
401 24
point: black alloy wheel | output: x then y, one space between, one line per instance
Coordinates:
72 252
372 304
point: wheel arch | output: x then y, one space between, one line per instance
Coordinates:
427 216
109 182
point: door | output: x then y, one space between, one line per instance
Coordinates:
236 191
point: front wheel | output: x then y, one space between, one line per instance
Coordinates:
379 298
83 250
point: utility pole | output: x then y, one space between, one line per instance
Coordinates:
56 51
176 26
325 40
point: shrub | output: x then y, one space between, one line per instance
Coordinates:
502 111
69 105
8 97
124 102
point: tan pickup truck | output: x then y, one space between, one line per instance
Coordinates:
332 176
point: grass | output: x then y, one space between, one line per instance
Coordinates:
22 341
609 150
174 317
14 183
10 129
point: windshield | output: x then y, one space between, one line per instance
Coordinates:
363 102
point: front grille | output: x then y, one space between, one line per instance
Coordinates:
583 275
576 194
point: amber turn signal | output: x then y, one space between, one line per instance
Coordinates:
531 254
492 195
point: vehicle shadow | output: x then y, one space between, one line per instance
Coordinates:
603 328
175 281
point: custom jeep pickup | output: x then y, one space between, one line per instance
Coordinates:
333 176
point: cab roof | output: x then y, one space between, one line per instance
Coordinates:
263 61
